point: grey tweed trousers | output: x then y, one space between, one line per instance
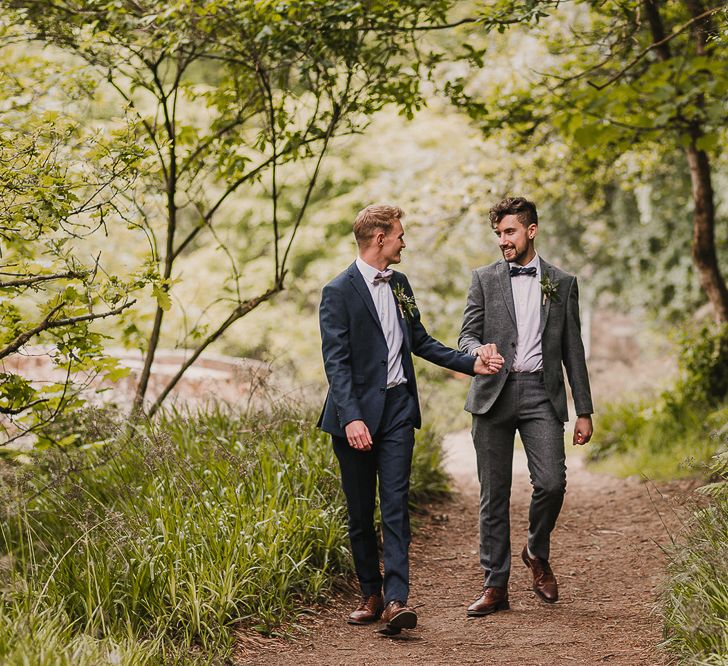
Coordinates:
524 406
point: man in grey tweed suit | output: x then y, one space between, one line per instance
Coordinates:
528 310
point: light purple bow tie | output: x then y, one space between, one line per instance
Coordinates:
383 276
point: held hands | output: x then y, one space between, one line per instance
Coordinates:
488 361
358 435
583 430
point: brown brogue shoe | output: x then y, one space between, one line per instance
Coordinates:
399 616
368 611
492 600
544 581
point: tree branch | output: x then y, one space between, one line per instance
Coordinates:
14 411
29 281
50 323
655 45
207 217
240 311
335 114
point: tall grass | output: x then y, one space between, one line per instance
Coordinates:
428 479
696 595
190 527
150 544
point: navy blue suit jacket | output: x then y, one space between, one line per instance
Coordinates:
355 352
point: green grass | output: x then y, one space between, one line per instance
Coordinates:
428 479
695 600
677 433
193 526
150 545
662 440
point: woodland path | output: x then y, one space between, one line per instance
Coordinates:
606 553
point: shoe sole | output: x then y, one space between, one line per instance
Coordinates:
500 606
538 593
362 623
546 600
388 631
404 620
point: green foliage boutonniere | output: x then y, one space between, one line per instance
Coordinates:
549 290
406 303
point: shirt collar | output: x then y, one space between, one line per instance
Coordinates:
536 261
368 272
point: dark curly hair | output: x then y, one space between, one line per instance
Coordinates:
523 208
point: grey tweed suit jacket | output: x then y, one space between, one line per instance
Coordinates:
490 316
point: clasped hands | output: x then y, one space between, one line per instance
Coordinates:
488 361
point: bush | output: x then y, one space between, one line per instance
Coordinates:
704 361
696 597
677 433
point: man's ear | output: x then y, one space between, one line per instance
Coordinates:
532 231
379 238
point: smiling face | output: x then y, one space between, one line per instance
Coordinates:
515 239
391 243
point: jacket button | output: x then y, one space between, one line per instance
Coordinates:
383 362
382 390
513 344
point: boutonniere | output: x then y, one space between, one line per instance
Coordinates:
549 290
405 302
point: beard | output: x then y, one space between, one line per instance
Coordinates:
518 255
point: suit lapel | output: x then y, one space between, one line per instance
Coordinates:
402 320
357 280
546 271
504 277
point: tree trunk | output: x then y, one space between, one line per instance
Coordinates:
169 258
705 258
704 255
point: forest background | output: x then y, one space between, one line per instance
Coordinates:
185 175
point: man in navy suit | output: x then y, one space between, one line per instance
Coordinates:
370 327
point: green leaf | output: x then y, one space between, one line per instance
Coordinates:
708 142
162 296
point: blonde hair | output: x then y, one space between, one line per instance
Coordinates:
375 217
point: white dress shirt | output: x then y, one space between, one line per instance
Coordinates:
389 318
527 299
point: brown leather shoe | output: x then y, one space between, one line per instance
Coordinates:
544 581
398 616
368 611
492 600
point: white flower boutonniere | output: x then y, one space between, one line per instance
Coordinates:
405 302
549 290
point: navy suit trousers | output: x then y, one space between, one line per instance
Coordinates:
390 460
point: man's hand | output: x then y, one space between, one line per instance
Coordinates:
488 361
358 435
583 430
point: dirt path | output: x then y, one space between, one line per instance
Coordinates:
605 553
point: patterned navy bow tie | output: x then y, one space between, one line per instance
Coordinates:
383 276
521 270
